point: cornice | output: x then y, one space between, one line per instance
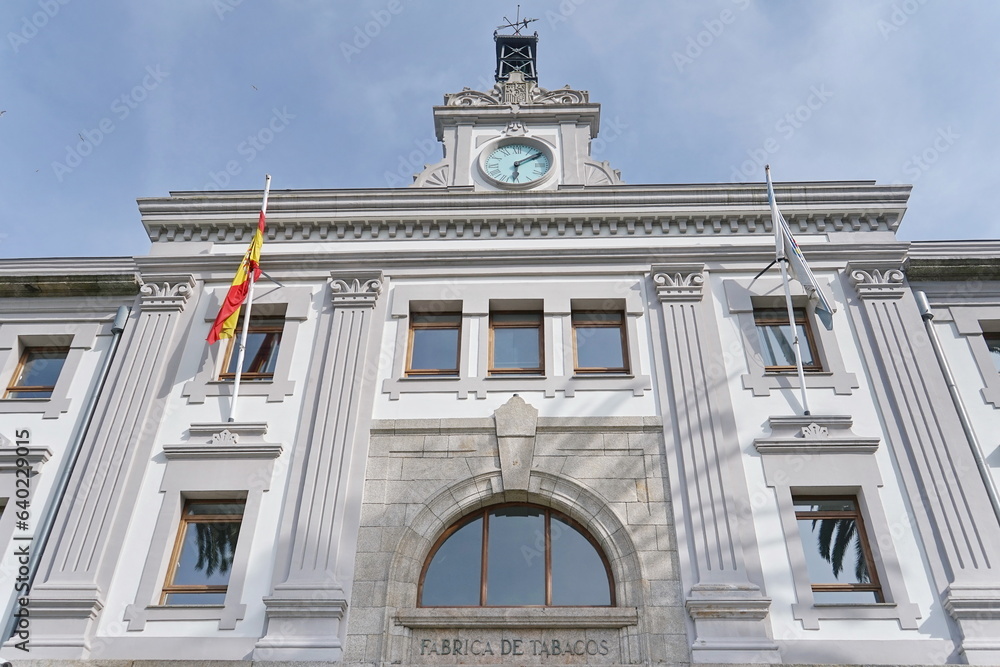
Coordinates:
460 213
954 260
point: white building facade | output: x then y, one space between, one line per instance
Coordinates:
519 413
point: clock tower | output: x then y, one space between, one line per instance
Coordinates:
517 136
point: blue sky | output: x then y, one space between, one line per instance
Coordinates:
105 102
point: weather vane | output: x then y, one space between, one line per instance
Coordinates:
518 24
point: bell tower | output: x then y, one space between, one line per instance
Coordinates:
517 136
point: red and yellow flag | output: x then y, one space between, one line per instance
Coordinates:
229 314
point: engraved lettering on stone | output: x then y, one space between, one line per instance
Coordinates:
556 650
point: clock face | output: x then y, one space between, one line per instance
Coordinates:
515 164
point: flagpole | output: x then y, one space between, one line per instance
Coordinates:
246 316
782 259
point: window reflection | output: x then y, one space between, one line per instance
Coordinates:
535 556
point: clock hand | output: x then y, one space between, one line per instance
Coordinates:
528 159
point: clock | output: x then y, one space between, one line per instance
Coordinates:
516 163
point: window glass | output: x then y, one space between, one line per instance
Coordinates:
516 557
261 355
203 555
434 343
575 559
535 556
453 577
776 340
837 555
516 342
37 372
993 345
599 341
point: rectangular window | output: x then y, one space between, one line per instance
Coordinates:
599 342
261 355
776 339
202 559
993 345
37 372
838 557
516 343
434 343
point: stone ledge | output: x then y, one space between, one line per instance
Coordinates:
511 617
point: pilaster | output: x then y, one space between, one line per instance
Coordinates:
306 609
729 610
950 504
82 552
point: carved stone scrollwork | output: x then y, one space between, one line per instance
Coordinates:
679 283
564 95
515 91
471 98
355 289
168 293
873 283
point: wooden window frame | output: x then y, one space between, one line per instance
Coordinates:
538 324
415 325
232 348
779 317
171 588
35 389
484 514
622 336
874 586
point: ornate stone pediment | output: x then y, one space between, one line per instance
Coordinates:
516 91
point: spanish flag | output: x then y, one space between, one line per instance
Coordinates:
249 271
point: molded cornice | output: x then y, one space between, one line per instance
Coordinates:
461 213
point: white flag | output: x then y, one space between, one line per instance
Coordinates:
785 247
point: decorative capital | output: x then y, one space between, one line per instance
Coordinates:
679 283
874 283
354 289
165 293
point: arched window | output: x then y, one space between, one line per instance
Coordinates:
516 555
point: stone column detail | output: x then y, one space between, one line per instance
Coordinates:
82 553
306 609
729 610
950 504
